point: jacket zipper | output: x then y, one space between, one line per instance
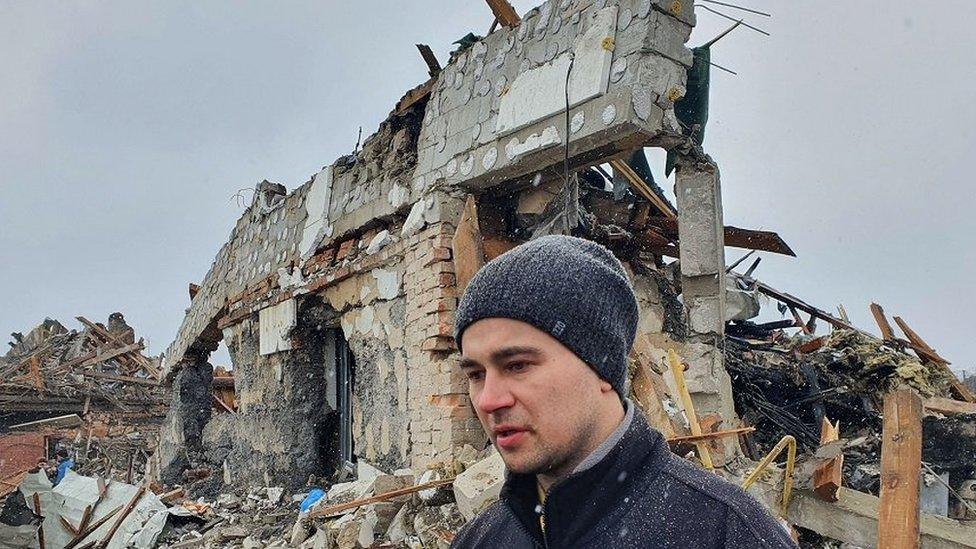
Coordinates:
545 542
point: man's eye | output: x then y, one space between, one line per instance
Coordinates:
517 367
475 375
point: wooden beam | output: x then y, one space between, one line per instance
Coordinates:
341 507
504 12
853 519
415 95
620 166
843 313
123 379
887 333
927 353
468 245
102 357
677 370
691 439
736 237
223 405
433 65
949 406
805 307
901 464
103 543
59 422
829 474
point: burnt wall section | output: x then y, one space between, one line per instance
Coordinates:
280 434
181 435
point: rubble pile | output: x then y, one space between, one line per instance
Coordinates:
401 509
99 367
793 384
89 394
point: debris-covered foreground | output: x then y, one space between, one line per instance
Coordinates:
336 302
377 509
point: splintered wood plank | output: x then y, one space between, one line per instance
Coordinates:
901 463
887 333
620 166
504 12
927 353
677 371
642 386
829 475
433 65
949 406
468 245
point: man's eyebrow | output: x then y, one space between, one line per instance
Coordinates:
515 350
501 355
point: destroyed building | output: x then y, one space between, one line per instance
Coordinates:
336 299
90 391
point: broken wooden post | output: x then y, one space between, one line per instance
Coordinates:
504 13
887 333
103 543
468 245
901 463
928 354
677 370
828 476
433 65
40 530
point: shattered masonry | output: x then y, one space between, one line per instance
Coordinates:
358 262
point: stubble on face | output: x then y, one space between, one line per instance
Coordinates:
555 401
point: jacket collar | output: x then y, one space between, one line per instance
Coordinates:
579 503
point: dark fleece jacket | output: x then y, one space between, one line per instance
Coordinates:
638 495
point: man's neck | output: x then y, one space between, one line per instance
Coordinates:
616 426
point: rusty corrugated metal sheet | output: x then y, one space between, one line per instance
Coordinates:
20 452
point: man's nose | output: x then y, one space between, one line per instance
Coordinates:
495 395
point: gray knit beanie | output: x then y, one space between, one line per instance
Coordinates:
573 289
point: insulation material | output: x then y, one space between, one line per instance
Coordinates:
276 324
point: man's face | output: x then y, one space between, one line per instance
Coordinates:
538 401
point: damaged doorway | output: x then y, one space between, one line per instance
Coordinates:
345 379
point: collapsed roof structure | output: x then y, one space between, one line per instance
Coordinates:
91 391
336 303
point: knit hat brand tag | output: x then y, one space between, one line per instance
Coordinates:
558 327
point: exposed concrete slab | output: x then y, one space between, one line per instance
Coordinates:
540 92
276 324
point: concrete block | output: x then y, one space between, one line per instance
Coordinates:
415 219
700 226
540 92
387 283
378 242
479 485
275 326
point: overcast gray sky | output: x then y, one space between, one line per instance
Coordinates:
126 127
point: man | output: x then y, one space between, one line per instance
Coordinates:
544 332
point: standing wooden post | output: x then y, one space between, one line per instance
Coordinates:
901 462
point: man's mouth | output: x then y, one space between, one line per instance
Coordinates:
509 437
